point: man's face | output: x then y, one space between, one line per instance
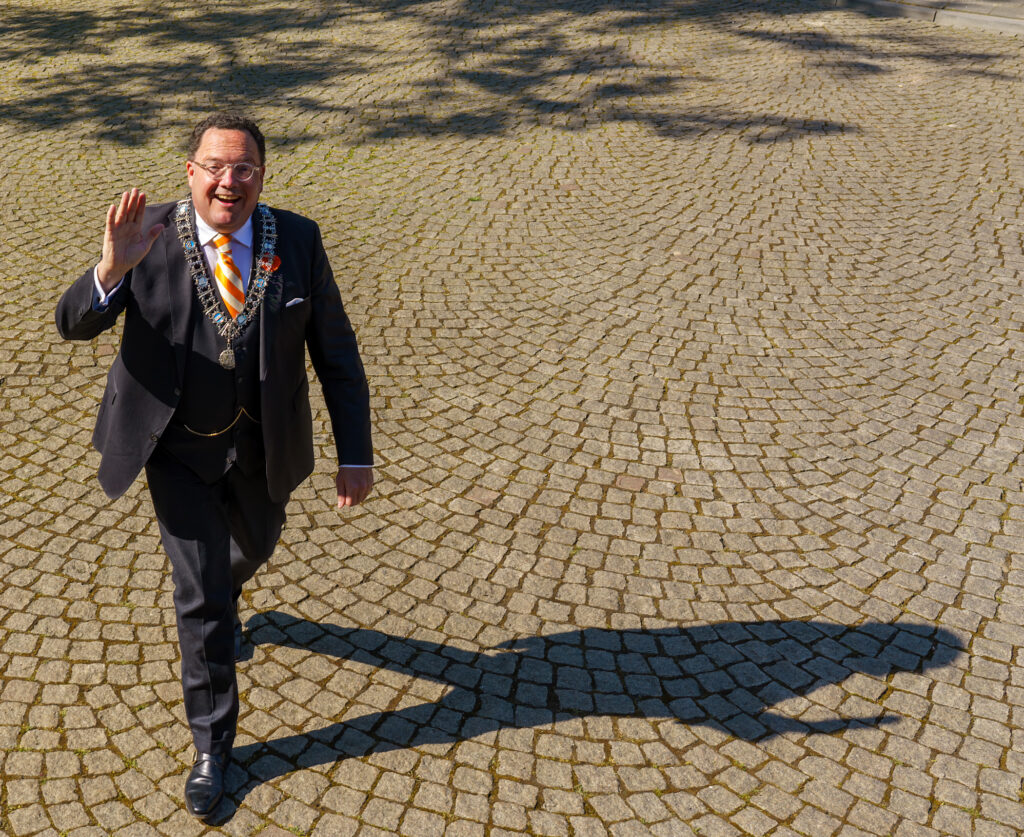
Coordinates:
225 203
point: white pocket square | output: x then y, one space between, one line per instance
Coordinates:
295 301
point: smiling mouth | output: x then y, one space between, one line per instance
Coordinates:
228 199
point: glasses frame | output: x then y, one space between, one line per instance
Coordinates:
233 166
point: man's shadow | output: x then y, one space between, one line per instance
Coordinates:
727 675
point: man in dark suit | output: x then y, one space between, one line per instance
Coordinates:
221 296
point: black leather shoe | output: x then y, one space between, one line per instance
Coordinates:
205 785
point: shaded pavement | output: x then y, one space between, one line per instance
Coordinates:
1004 16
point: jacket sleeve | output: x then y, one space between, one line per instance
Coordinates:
335 357
76 317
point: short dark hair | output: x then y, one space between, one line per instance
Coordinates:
226 121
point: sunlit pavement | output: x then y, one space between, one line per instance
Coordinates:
695 339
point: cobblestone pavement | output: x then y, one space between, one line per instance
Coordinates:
1004 16
694 330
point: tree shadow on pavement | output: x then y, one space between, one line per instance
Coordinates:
728 676
493 66
207 57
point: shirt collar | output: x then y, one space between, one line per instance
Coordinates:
206 233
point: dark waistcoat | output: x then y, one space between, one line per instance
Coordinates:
211 399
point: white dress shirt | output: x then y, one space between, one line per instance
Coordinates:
241 247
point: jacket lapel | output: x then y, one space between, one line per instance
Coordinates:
271 308
179 292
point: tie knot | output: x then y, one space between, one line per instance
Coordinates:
223 243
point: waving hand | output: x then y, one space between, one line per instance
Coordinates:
125 243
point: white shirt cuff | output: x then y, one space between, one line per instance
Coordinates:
102 299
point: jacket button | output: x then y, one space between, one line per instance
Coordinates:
153 437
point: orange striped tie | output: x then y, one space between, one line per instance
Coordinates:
229 280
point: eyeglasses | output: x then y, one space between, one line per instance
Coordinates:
216 169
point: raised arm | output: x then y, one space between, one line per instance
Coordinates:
80 316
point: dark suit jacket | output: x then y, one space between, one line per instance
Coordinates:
144 384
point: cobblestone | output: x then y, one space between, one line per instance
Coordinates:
694 334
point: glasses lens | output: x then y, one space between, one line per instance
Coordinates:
215 170
244 171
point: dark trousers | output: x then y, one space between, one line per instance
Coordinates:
216 535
